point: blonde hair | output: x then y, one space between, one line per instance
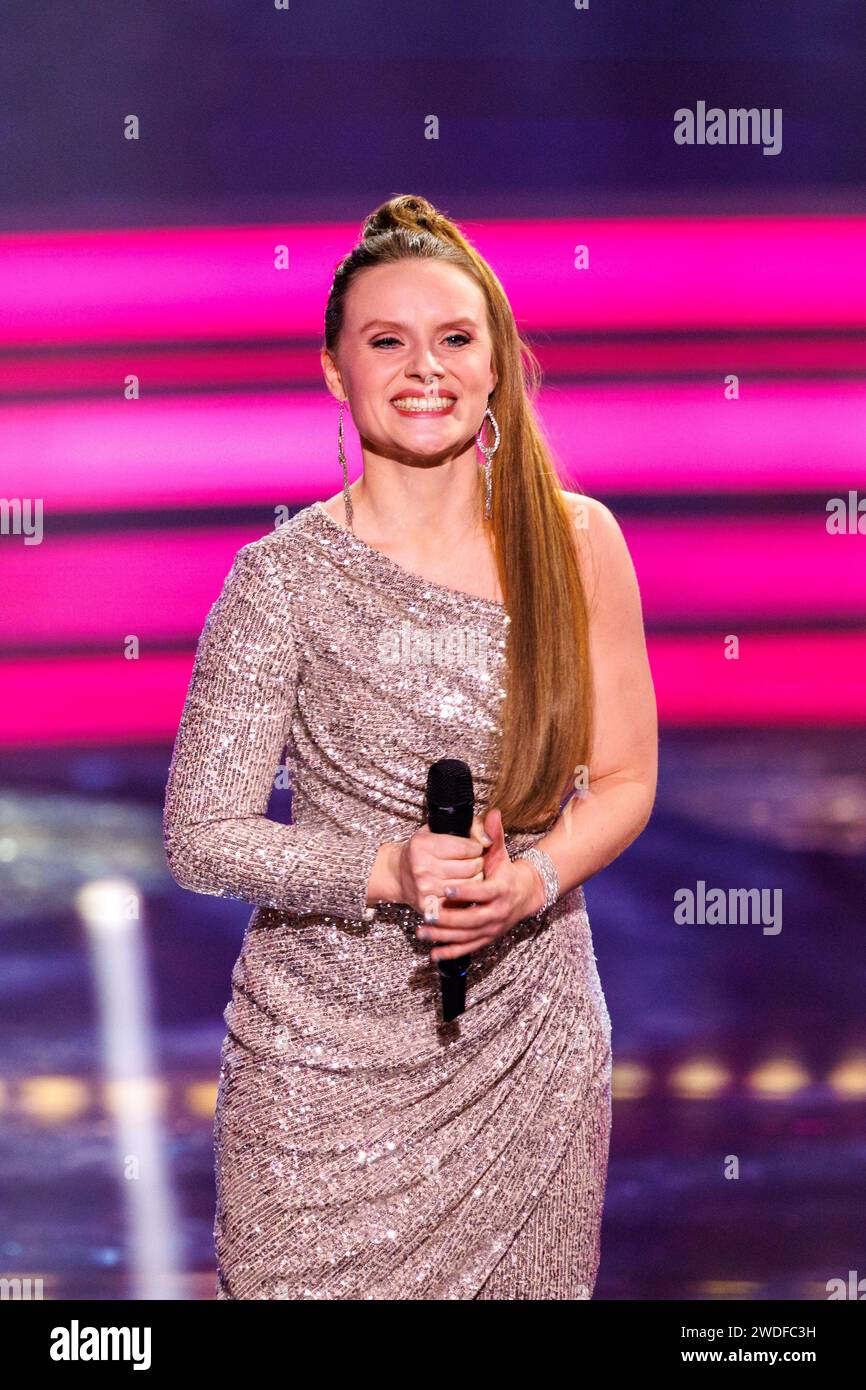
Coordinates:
547 714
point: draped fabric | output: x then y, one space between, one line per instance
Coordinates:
364 1149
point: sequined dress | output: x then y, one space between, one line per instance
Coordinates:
363 1148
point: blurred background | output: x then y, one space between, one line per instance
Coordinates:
179 182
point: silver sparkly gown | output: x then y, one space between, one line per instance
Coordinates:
364 1149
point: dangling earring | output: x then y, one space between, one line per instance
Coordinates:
488 451
347 496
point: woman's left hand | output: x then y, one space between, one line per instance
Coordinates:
508 892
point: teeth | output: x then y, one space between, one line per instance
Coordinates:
425 405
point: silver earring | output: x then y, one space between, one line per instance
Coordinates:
488 451
347 496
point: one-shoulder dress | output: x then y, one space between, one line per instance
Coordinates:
365 1149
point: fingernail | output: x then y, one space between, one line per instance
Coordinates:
485 838
423 933
450 890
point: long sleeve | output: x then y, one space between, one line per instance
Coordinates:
229 745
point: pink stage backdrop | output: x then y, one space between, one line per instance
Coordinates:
724 502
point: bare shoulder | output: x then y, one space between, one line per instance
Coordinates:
601 546
588 514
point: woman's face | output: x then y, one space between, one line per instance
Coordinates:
414 360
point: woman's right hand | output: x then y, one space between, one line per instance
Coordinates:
427 862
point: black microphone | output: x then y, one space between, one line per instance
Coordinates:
450 810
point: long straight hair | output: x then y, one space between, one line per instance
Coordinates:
547 714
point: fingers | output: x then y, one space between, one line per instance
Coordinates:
437 878
450 846
479 833
450 870
445 869
497 855
434 897
457 925
444 866
436 858
469 890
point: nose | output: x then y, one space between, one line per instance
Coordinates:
425 366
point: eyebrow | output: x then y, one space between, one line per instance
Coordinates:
391 323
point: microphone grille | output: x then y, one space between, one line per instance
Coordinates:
449 783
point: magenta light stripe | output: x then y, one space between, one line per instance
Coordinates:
97 370
105 700
226 367
279 449
199 283
684 356
159 586
100 588
777 681
79 371
779 436
769 567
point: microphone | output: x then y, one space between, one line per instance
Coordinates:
450 810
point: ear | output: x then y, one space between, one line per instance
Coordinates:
333 379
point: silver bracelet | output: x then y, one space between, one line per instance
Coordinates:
549 877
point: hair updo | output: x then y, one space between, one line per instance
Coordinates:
406 211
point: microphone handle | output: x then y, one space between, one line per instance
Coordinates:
449 820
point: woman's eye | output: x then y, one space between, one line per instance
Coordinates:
381 342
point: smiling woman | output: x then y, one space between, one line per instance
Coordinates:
365 1147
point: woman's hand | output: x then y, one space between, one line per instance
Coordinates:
507 892
427 863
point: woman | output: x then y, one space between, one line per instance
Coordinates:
364 1148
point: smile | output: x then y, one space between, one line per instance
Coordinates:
424 405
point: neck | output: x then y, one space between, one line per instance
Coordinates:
424 504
